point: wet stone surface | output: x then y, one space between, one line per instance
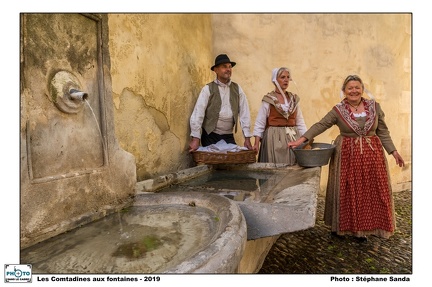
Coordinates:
315 251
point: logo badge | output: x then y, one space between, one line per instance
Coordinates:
18 273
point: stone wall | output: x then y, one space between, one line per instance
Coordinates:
72 168
159 63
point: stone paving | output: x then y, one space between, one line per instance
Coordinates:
315 251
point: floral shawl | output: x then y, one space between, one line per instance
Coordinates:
347 115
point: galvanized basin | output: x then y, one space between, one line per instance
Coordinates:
319 155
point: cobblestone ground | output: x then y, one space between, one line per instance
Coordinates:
314 251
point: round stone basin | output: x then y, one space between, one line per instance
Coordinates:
181 232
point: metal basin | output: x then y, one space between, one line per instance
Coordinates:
319 155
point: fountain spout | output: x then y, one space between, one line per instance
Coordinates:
77 95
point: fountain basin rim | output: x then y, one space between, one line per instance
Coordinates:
225 249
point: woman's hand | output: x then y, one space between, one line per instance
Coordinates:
256 144
399 160
248 144
296 143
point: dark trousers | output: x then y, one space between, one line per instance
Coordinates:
212 138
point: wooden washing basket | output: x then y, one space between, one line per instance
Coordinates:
244 156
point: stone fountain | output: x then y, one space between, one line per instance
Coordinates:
72 168
274 199
74 173
75 178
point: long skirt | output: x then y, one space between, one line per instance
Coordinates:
274 146
359 198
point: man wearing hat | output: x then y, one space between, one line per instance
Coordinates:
220 106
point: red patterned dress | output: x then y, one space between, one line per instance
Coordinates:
359 198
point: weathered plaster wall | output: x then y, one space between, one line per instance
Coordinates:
321 50
72 170
161 61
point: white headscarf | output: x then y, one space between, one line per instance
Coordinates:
274 78
275 71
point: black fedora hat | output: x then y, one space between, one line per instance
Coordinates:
222 59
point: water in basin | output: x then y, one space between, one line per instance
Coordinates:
139 239
240 185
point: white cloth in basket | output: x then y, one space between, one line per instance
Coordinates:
222 147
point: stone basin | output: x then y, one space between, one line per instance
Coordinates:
180 232
274 198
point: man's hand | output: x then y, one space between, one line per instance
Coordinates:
194 144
